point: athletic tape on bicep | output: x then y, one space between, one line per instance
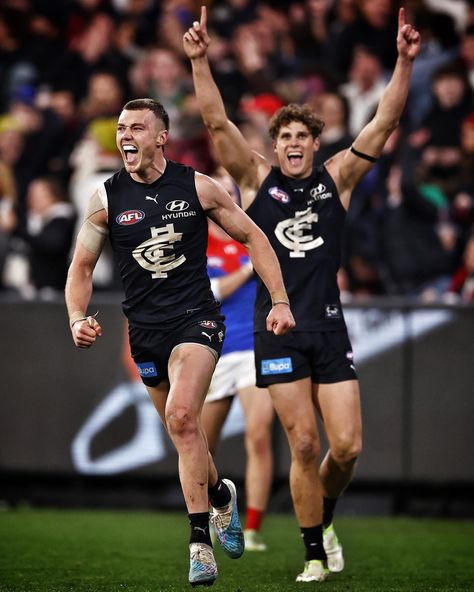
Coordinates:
92 237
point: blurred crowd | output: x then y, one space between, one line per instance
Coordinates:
68 66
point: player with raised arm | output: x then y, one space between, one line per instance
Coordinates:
301 208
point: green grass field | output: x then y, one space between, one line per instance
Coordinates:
79 551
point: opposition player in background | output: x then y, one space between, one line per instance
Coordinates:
301 208
232 283
155 213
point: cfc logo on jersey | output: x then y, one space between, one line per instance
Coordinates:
296 234
130 217
157 253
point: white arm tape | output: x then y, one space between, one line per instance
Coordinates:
92 237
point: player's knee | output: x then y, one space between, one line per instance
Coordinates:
181 422
257 442
346 449
305 450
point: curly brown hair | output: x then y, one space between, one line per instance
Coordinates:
295 112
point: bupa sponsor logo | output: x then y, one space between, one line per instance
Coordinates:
130 217
319 192
279 194
208 324
147 369
277 366
177 205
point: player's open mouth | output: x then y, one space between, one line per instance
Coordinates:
129 151
295 158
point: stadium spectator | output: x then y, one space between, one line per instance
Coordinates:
233 284
462 198
462 283
439 135
414 260
16 67
334 111
374 29
49 234
364 88
8 218
176 328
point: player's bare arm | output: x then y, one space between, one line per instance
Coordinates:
349 166
246 166
224 212
85 329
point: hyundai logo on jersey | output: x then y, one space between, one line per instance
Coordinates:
147 369
177 205
279 194
130 217
277 366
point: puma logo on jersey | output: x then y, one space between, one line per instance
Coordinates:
203 530
152 198
207 335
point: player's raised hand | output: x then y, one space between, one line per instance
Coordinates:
408 38
196 40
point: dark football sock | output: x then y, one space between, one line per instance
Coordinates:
219 494
199 523
328 510
313 542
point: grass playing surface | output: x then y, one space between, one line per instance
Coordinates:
113 551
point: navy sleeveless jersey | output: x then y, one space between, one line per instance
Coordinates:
158 234
303 219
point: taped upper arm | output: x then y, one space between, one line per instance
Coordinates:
94 230
97 202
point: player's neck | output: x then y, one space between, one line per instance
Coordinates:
151 173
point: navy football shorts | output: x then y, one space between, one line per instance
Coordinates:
152 348
325 356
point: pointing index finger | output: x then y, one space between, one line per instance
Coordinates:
401 18
203 19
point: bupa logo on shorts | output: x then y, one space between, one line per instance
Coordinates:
177 205
130 217
147 369
279 194
332 311
208 324
277 366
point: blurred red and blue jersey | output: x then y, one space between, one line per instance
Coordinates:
223 257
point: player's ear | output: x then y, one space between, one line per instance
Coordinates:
161 138
316 144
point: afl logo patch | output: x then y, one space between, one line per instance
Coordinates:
208 324
177 205
130 217
279 194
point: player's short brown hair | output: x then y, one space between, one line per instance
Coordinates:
155 106
295 112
